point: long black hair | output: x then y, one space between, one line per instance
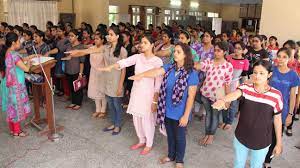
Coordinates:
188 60
119 45
40 34
10 38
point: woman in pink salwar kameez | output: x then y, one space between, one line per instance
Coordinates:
144 95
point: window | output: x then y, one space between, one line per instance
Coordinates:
135 14
5 10
167 16
196 13
178 14
212 14
194 4
175 2
113 14
150 16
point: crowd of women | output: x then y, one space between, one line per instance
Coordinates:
163 76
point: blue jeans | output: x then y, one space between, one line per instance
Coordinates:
176 140
211 118
241 152
229 114
114 105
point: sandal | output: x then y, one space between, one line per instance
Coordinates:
110 128
101 115
95 114
60 94
76 107
116 132
165 160
137 146
203 140
20 134
146 151
70 106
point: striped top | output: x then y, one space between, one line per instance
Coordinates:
254 129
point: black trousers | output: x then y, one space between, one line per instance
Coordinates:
76 97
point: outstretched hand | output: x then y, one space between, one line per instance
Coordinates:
72 53
135 77
219 105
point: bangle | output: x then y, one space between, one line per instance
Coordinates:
154 102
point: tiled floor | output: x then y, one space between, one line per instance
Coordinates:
84 145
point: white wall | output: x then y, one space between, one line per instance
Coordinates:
281 19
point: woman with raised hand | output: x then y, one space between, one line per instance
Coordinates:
175 102
143 100
260 106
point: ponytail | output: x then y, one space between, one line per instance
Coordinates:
10 38
3 50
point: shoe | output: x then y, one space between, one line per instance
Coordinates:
108 129
137 146
145 152
289 132
116 133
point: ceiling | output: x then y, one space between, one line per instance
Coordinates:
234 1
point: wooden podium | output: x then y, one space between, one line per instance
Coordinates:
37 94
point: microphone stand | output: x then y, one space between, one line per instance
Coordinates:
55 136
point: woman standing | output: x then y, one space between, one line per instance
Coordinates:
185 38
273 47
127 41
15 101
260 104
175 102
74 70
205 50
164 50
286 81
40 46
60 45
114 80
240 67
255 52
218 78
143 110
97 79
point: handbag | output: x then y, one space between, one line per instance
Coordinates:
79 83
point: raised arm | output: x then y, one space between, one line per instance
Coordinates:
221 104
81 53
148 74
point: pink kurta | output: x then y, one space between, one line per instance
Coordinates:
142 92
96 80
